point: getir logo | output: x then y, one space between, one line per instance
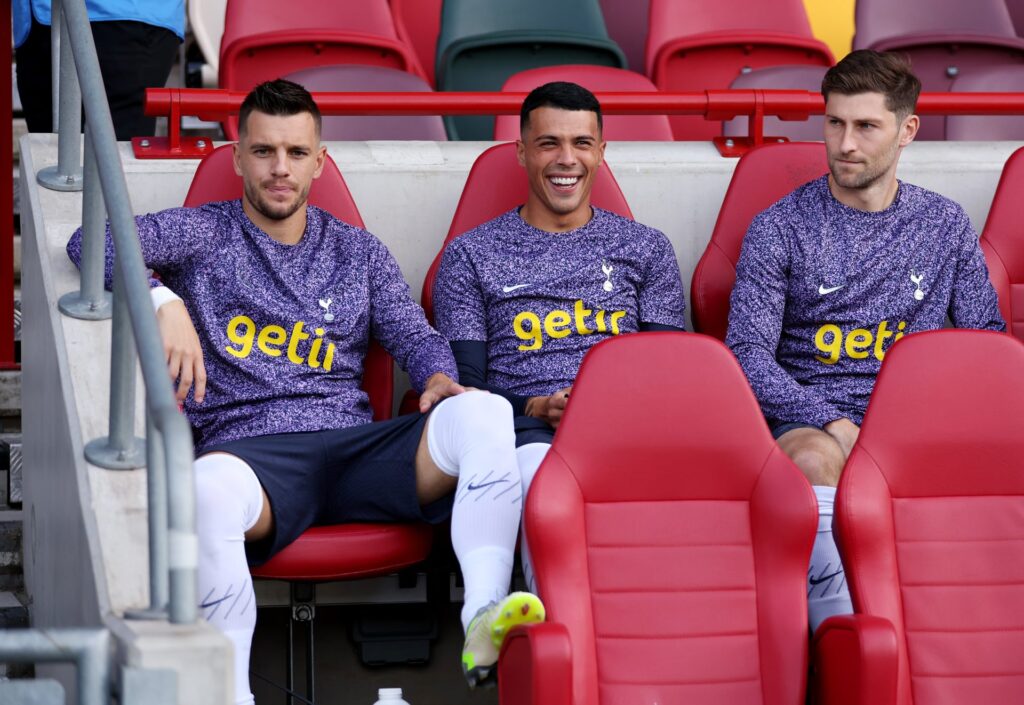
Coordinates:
559 324
858 343
275 341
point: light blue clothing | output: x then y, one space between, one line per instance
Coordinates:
169 14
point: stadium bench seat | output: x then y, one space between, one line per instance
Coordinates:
1006 78
945 40
694 45
418 23
803 78
762 176
595 79
929 515
264 39
1002 241
370 127
482 44
345 551
670 543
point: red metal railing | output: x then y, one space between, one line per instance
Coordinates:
217 105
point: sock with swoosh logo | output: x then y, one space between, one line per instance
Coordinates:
471 436
827 592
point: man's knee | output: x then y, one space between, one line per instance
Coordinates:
816 453
481 411
228 494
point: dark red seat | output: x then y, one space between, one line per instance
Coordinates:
418 23
344 551
762 177
929 515
694 45
1002 241
988 79
265 39
803 78
670 543
595 79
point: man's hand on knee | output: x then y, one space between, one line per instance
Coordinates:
439 386
845 432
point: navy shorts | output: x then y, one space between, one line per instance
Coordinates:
532 430
786 426
364 473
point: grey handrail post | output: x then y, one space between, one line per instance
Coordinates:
91 302
183 545
156 490
89 649
67 175
120 449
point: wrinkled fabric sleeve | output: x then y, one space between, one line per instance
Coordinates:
661 294
459 306
756 309
400 325
974 303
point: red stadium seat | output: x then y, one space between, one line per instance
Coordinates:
995 79
264 39
802 78
344 551
929 515
627 26
944 40
670 543
418 23
696 46
762 177
593 78
1002 241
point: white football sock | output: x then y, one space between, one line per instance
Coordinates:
827 592
471 436
529 457
229 499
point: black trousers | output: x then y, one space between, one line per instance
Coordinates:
133 56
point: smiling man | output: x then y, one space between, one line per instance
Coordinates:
523 297
837 271
285 298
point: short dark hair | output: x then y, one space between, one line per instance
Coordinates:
562 95
278 97
867 71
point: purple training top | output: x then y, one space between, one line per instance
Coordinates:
284 328
822 290
540 300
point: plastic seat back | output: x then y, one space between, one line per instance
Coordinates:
371 127
930 515
594 79
1002 241
944 41
695 46
264 39
206 18
482 44
762 177
803 78
497 183
418 23
1016 9
672 542
988 127
215 180
627 24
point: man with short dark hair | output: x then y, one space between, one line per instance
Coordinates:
523 297
285 298
837 271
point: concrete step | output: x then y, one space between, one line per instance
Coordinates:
10 393
11 575
13 612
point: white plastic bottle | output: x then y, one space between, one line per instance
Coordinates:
390 696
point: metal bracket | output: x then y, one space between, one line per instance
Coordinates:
174 146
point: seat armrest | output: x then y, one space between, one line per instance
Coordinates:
855 661
535 666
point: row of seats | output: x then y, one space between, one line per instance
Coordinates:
412 45
713 384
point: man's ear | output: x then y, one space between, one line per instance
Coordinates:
236 154
521 152
908 130
321 159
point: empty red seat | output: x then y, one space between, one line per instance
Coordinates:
944 40
265 39
594 79
418 23
627 22
1002 241
762 176
694 46
371 127
929 515
803 78
670 543
998 79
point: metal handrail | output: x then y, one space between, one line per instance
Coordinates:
168 451
88 649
